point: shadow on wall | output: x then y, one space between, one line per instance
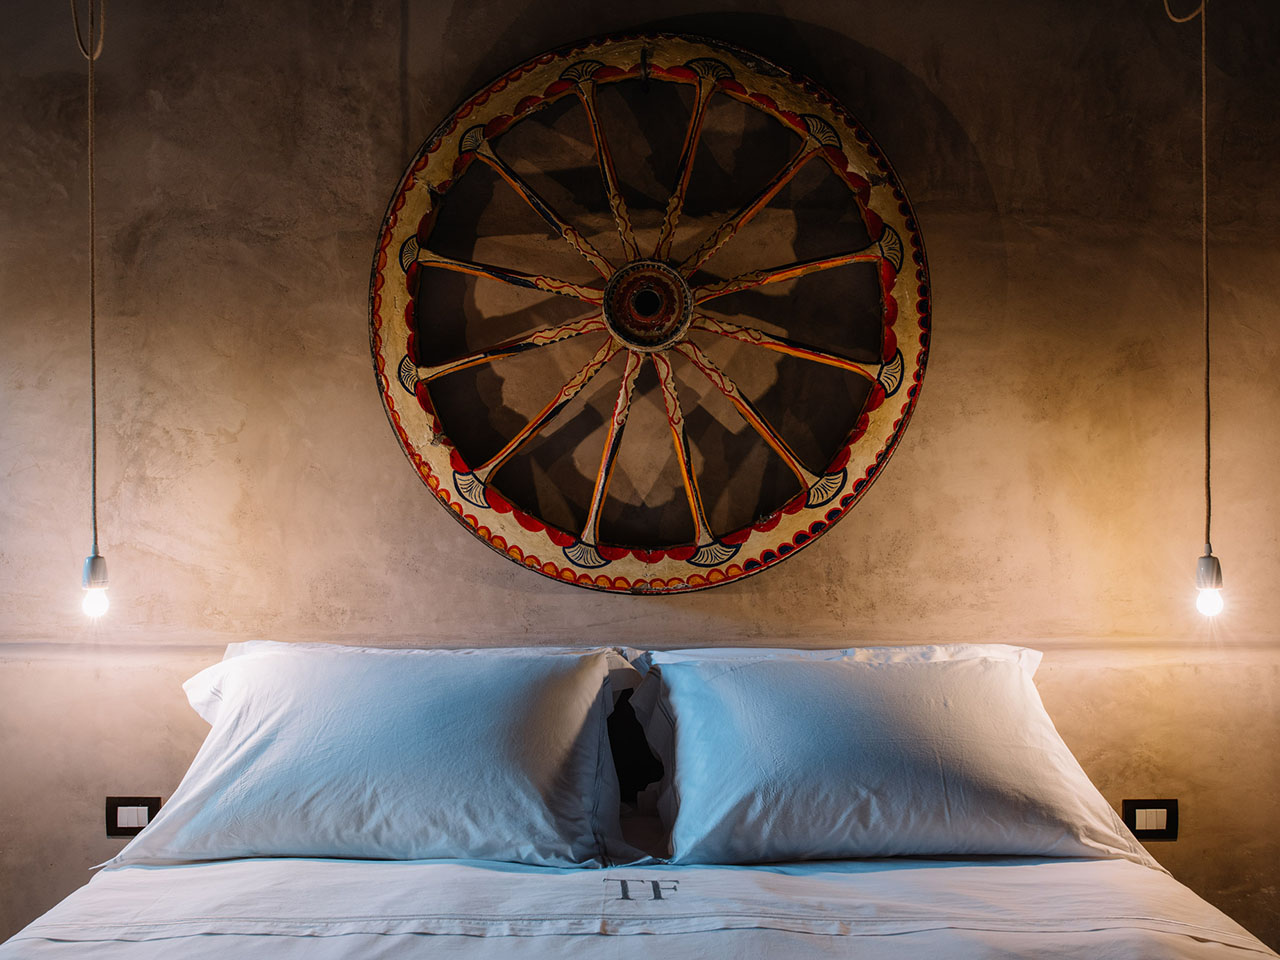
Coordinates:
933 155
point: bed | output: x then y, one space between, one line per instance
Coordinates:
871 802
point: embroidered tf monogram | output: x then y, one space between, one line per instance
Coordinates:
658 887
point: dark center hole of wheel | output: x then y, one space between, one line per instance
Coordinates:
646 303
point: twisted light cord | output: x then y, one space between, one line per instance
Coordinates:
1200 12
91 51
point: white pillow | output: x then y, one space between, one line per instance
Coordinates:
796 759
396 754
659 728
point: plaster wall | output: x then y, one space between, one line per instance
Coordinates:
1047 491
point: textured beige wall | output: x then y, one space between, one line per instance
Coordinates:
1046 492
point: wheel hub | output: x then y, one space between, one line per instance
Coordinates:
647 305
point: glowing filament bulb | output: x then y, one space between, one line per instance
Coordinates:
95 585
95 602
1209 582
1209 602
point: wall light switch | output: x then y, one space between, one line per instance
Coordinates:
126 816
131 816
1151 819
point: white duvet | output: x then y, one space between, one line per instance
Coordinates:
918 909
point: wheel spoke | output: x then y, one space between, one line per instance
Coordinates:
790 271
508 348
725 385
608 350
726 231
604 158
675 420
516 278
609 457
792 348
675 205
545 210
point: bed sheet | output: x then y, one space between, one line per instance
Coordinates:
885 909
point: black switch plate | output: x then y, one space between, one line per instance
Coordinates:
1129 813
114 803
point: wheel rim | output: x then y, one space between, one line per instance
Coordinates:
590 402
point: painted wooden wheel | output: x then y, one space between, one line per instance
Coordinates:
649 314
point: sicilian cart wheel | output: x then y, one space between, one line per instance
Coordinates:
649 314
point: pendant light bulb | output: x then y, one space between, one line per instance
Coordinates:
1208 569
95 586
94 579
1209 583
1209 602
95 602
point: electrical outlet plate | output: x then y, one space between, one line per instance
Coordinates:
1151 819
126 816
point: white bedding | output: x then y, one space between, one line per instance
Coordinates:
323 909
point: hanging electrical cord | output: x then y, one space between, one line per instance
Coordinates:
95 566
1208 568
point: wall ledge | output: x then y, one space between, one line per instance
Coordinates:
1174 649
